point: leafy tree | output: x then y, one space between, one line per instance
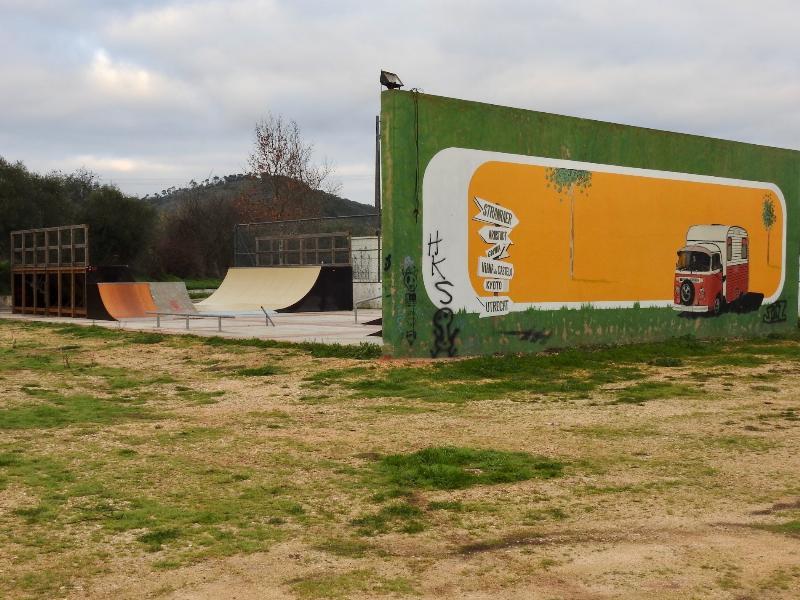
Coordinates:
567 182
120 227
282 159
768 217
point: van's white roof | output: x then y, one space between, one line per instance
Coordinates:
713 233
707 248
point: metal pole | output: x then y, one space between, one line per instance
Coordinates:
378 163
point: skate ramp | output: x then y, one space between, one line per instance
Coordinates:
247 289
171 296
126 300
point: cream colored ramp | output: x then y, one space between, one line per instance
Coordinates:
247 289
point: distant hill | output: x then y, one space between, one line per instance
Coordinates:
254 201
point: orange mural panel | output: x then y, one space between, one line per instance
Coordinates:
623 232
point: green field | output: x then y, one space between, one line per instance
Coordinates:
141 465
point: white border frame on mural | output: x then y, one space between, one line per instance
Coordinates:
445 216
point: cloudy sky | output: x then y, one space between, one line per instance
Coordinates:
154 94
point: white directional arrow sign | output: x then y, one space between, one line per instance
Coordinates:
494 306
495 235
496 285
494 214
498 251
494 269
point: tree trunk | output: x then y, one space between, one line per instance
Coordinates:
768 247
571 233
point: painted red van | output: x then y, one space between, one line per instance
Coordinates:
713 269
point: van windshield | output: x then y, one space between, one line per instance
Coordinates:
689 260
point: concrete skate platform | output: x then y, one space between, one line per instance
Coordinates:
335 327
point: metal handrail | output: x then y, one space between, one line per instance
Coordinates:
364 301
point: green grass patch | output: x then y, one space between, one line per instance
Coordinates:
450 468
397 409
199 397
62 411
788 528
202 284
654 390
362 351
345 585
262 371
451 505
399 516
572 373
544 514
742 442
347 547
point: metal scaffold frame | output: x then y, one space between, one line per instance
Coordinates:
48 270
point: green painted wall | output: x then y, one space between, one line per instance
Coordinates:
415 127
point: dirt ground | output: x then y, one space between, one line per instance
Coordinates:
147 468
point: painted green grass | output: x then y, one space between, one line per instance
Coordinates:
585 326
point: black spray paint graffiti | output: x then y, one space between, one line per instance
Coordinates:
530 335
387 262
775 313
409 272
444 335
441 283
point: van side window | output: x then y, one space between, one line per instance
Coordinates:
715 262
729 248
744 248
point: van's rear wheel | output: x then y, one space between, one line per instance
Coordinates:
717 305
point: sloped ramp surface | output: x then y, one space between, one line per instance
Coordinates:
126 300
171 296
247 289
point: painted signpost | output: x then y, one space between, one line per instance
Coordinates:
513 230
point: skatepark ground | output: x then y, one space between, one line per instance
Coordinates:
335 327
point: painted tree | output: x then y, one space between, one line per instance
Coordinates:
567 182
768 216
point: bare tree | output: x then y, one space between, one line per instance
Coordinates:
282 159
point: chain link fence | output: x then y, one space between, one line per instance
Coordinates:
353 240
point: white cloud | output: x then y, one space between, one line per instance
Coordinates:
181 83
119 79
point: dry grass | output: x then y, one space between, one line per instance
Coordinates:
169 467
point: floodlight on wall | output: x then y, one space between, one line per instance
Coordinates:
390 80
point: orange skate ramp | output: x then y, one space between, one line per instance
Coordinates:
247 289
127 300
171 296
